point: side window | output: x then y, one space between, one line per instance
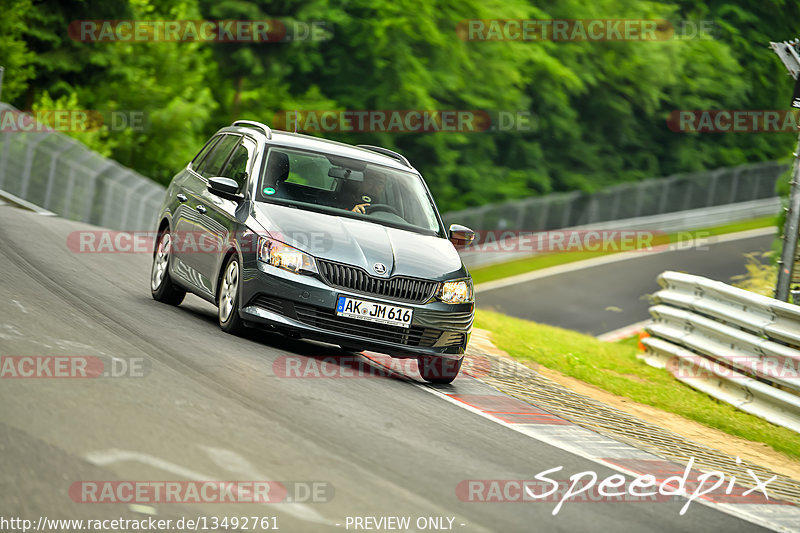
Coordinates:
214 162
200 157
238 165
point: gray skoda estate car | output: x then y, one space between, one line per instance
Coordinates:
319 240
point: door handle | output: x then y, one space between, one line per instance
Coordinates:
202 209
181 197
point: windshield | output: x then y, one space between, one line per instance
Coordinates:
347 187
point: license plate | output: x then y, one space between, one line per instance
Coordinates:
391 315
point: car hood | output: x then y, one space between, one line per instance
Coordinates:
361 243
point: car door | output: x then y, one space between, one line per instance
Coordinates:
191 220
220 220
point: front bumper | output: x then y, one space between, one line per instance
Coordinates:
305 306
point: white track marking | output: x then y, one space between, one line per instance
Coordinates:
236 464
107 457
230 461
739 511
615 258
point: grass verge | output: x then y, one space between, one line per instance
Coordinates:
539 261
615 368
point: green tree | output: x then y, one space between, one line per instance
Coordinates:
15 56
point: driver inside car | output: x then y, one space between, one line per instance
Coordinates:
370 190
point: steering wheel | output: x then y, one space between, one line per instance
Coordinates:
381 207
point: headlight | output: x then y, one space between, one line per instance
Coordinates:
283 256
456 291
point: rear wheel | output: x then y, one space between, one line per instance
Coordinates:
435 369
228 298
161 286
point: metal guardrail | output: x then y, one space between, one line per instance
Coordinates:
655 196
60 174
680 221
735 345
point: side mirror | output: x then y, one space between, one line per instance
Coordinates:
461 235
224 187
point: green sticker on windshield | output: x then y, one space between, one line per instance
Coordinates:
269 190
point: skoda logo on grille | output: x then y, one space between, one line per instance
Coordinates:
379 268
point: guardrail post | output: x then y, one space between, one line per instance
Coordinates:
788 53
790 229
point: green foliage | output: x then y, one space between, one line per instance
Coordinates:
15 56
96 138
598 109
614 367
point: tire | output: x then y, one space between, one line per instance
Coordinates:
435 369
228 297
161 286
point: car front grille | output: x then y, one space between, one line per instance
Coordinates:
357 280
328 320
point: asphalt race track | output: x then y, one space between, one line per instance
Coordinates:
210 406
606 297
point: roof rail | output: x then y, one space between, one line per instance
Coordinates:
254 124
386 151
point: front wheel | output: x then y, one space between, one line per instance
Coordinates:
228 298
161 286
435 369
